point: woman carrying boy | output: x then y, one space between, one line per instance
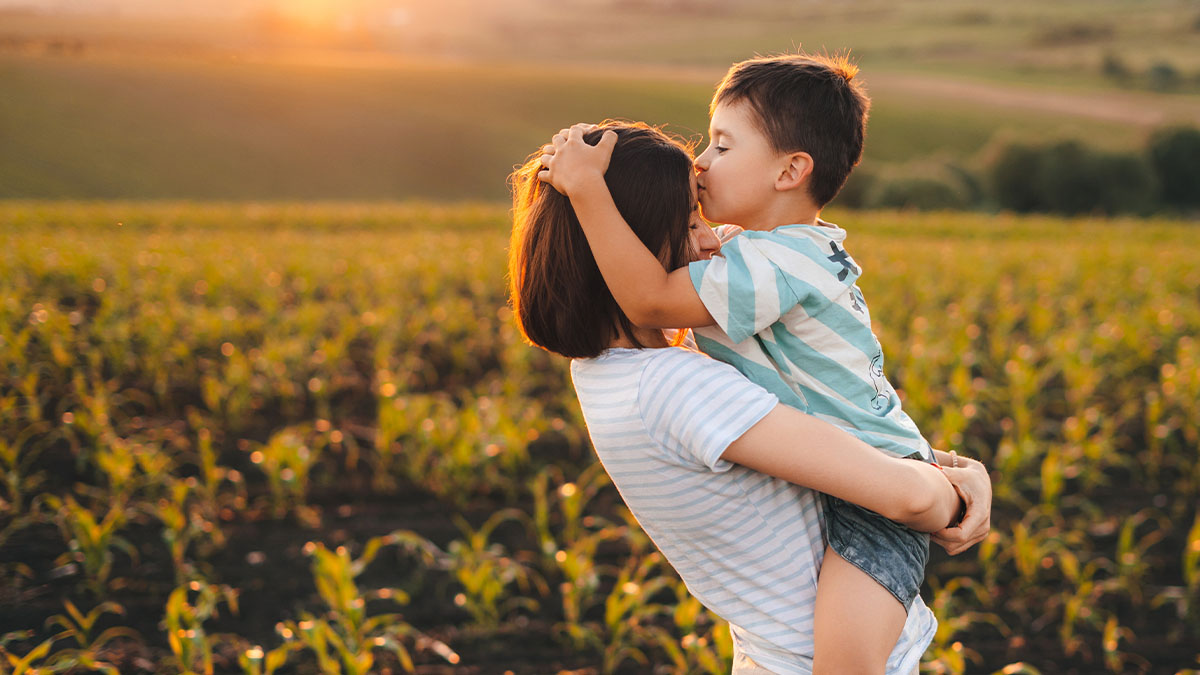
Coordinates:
718 473
782 306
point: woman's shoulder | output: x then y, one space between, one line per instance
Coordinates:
630 361
634 371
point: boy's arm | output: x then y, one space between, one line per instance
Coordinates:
649 295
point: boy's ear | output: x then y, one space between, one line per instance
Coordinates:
798 168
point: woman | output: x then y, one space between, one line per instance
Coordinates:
720 475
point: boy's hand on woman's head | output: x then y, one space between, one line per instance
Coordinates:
573 165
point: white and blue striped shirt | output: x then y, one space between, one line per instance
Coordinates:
790 317
748 546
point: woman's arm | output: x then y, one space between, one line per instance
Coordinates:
804 450
974 486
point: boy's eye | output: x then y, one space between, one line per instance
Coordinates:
720 149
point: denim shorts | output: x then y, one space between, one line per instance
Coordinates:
889 552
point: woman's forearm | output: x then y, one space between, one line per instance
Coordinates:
941 508
802 449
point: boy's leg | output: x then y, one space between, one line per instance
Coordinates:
857 621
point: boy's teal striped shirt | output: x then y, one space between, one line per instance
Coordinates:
790 317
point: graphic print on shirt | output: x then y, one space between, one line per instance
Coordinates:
883 388
842 258
857 301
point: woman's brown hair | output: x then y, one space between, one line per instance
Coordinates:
558 295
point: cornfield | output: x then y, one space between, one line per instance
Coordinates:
309 438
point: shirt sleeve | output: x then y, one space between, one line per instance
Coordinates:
695 406
743 289
726 232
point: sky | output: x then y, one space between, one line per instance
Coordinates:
211 8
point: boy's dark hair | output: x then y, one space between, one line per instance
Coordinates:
558 295
805 103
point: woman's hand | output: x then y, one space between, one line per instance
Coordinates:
573 165
975 488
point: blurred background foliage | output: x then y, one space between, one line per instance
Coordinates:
374 99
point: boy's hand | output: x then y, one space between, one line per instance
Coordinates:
571 164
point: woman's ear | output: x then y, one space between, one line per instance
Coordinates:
798 168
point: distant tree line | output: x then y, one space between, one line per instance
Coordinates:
1067 176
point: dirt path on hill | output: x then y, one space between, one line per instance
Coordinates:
1143 109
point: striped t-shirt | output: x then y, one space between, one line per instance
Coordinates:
790 317
747 545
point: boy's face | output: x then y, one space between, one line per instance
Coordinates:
737 170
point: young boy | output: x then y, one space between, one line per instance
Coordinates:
781 305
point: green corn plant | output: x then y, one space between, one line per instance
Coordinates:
313 634
227 393
1033 544
29 385
91 542
1078 605
254 661
286 459
1018 668
344 640
570 501
1191 563
32 663
116 460
213 476
217 487
184 619
574 498
539 489
184 522
1133 552
17 459
79 627
700 652
581 585
949 655
19 480
629 612
391 425
1053 474
571 552
485 571
1116 660
704 644
1158 423
1192 557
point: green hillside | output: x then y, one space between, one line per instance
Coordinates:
114 126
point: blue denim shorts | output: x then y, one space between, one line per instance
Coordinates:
887 551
